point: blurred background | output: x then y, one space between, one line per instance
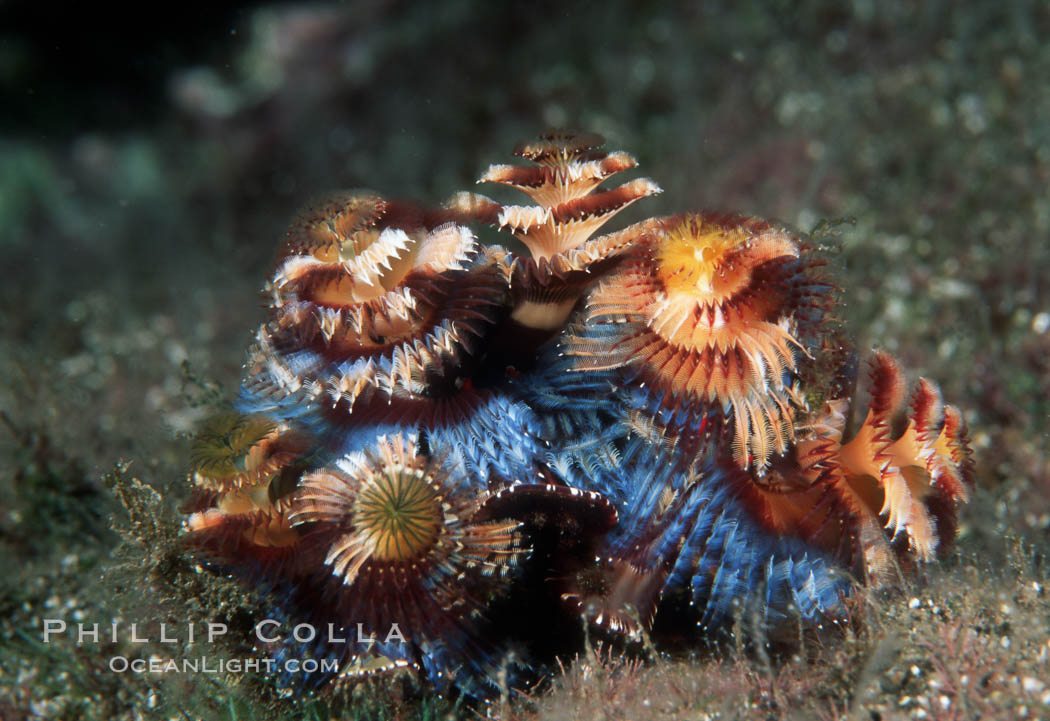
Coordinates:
148 168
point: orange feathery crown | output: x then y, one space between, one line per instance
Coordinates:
372 296
712 300
564 180
397 525
239 466
914 479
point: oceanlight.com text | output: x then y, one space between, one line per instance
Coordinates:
203 664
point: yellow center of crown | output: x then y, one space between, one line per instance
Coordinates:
696 258
400 514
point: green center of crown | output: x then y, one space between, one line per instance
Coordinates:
400 513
